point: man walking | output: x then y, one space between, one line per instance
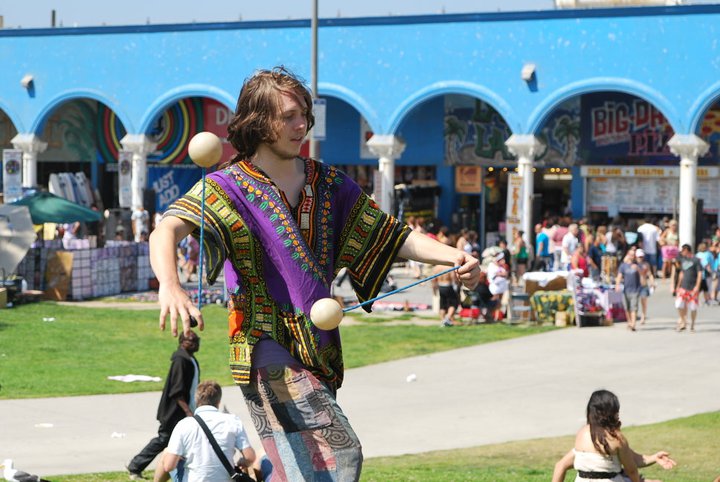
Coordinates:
687 289
543 258
650 234
176 402
629 274
569 243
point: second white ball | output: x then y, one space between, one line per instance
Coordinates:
326 314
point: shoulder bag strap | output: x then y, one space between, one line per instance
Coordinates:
215 445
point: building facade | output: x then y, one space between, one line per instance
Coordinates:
597 113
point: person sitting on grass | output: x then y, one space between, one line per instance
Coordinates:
601 450
190 443
482 301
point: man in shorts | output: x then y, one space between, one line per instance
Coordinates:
687 288
647 283
629 274
444 287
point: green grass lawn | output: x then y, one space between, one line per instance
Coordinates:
75 353
692 442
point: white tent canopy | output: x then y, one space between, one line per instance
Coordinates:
16 237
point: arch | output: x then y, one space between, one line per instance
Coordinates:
599 84
183 92
14 118
69 95
701 106
352 98
454 87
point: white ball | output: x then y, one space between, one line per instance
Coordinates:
205 149
326 313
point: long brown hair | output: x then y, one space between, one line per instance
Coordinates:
257 115
603 417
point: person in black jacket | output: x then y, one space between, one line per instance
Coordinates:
177 401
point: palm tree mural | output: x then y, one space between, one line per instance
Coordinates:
545 142
491 132
567 131
455 132
79 130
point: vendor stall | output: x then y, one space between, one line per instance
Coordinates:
78 274
595 304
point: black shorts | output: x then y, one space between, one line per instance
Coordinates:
448 297
703 285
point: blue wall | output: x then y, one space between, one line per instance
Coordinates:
391 70
342 134
384 67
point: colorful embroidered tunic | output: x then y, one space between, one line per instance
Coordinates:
279 260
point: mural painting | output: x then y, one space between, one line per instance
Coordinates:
475 134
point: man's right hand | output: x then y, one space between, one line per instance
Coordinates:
175 302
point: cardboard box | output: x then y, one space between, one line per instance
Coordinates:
561 319
555 284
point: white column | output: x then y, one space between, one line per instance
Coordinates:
31 145
140 145
688 147
525 147
387 148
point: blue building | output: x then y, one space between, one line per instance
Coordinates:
599 112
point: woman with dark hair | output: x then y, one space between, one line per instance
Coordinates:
601 450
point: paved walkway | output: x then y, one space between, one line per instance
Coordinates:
523 388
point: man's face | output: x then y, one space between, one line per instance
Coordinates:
192 344
293 127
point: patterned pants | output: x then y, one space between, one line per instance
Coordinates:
304 432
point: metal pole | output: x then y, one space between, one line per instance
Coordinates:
314 144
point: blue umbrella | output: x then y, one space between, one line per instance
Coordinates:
46 207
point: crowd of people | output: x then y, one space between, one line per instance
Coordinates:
629 257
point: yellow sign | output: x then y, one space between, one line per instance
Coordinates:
644 171
513 212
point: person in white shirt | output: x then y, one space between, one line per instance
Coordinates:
140 219
189 442
569 243
650 234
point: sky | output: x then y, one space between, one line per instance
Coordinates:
84 13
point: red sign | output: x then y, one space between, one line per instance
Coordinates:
217 117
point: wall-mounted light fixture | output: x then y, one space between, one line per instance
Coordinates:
27 81
528 72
